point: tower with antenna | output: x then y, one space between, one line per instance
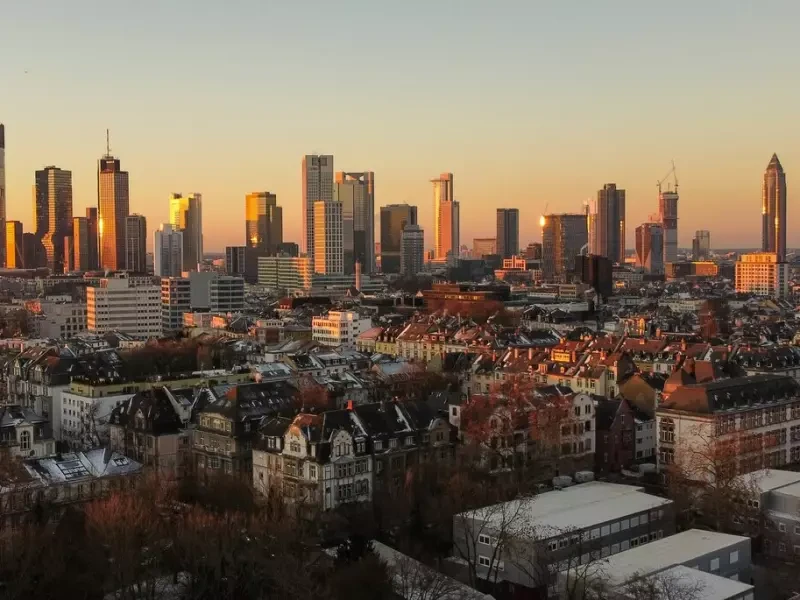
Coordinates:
668 213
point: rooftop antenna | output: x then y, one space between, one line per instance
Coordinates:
108 143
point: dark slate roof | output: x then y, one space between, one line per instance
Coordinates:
156 407
605 413
732 394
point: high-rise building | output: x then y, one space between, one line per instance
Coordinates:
563 238
650 247
263 222
412 256
773 209
356 192
216 293
168 252
701 245
186 215
80 243
328 250
609 223
92 239
69 254
53 206
317 185
136 243
15 258
484 247
446 217
242 261
3 246
394 218
762 274
113 207
116 304
175 301
668 217
533 251
507 232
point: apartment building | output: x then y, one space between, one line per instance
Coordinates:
339 328
24 433
118 305
62 319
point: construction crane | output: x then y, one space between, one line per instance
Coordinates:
542 220
674 174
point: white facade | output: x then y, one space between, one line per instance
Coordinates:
62 319
317 174
115 305
339 328
168 252
761 274
328 243
84 419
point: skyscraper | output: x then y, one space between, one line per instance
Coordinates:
563 238
113 206
773 209
3 195
701 245
53 206
668 217
81 243
92 240
609 235
317 185
412 256
328 251
136 243
168 252
445 217
650 247
186 215
263 222
15 258
394 218
356 192
507 232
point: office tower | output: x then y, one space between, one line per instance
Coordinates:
507 232
288 249
93 240
668 217
3 247
609 224
216 293
394 218
328 251
650 247
773 209
563 238
80 244
762 274
168 251
484 247
242 261
533 251
115 304
186 215
356 192
69 254
113 206
263 222
412 241
317 178
175 301
15 258
446 217
136 243
701 245
53 207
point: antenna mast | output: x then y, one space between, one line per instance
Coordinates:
108 143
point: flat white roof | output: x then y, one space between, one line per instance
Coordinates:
767 480
706 585
662 554
574 508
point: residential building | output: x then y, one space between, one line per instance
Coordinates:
394 219
621 431
186 216
136 243
168 252
14 257
650 247
24 433
762 274
773 210
563 238
445 217
609 234
113 202
339 328
117 305
507 232
356 192
317 182
484 247
216 293
412 242
53 213
701 245
263 222
61 320
328 245
175 301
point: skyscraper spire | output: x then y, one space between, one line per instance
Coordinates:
773 209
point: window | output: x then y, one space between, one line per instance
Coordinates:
615 528
484 561
714 565
781 547
484 539
634 521
552 546
605 530
25 440
378 445
782 527
625 524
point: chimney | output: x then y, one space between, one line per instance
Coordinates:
516 352
349 405
530 353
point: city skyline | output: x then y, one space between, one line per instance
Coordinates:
716 131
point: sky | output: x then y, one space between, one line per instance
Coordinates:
531 104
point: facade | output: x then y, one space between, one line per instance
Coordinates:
563 238
53 213
317 181
113 203
62 319
445 217
80 244
92 240
356 192
263 222
484 247
412 242
116 305
168 252
650 247
668 219
701 245
507 232
339 328
394 218
25 433
216 293
328 243
773 209
186 216
136 243
286 272
15 259
175 301
762 274
609 223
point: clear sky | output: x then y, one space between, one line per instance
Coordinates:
529 103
